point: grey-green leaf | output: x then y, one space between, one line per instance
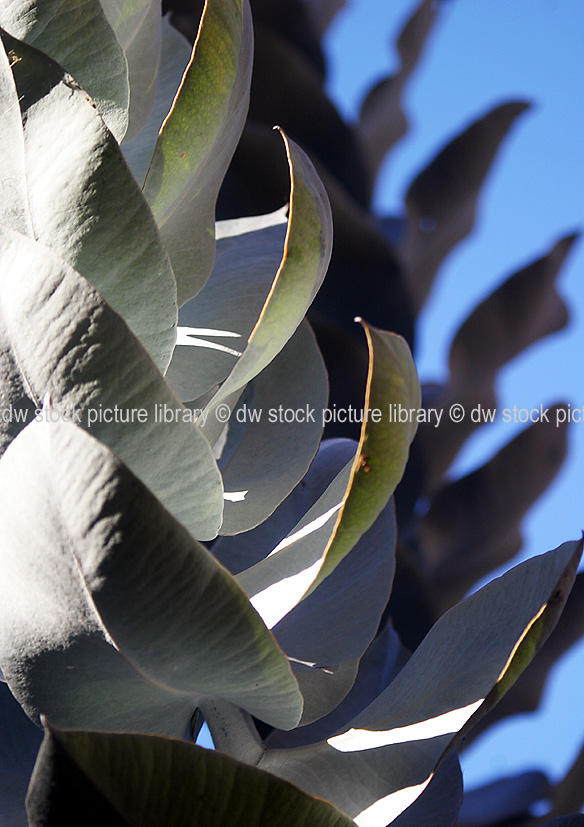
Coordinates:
66 341
85 204
190 786
272 454
355 499
245 550
307 252
198 139
77 35
175 53
14 207
138 28
117 567
218 322
387 756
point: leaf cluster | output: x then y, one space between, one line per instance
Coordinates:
166 557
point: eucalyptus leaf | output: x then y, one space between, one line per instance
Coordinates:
191 785
14 208
77 35
20 740
274 452
526 694
439 803
249 252
323 688
509 797
278 582
137 24
66 341
353 502
307 250
16 407
245 550
119 571
379 665
340 618
189 163
86 206
442 200
386 758
175 53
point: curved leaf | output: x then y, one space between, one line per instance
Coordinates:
441 201
323 688
77 35
364 277
20 740
175 53
198 139
118 569
277 583
81 773
272 454
384 443
526 694
522 310
138 28
510 797
85 204
66 341
14 207
379 665
338 621
327 633
15 407
353 502
307 251
249 252
381 764
245 550
382 121
473 524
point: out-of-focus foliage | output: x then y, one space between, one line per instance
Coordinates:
174 547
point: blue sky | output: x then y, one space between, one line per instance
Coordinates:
480 54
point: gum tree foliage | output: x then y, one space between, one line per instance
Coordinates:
165 556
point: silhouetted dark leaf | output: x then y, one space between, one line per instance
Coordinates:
294 98
523 310
503 798
441 201
323 12
382 121
473 524
20 740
